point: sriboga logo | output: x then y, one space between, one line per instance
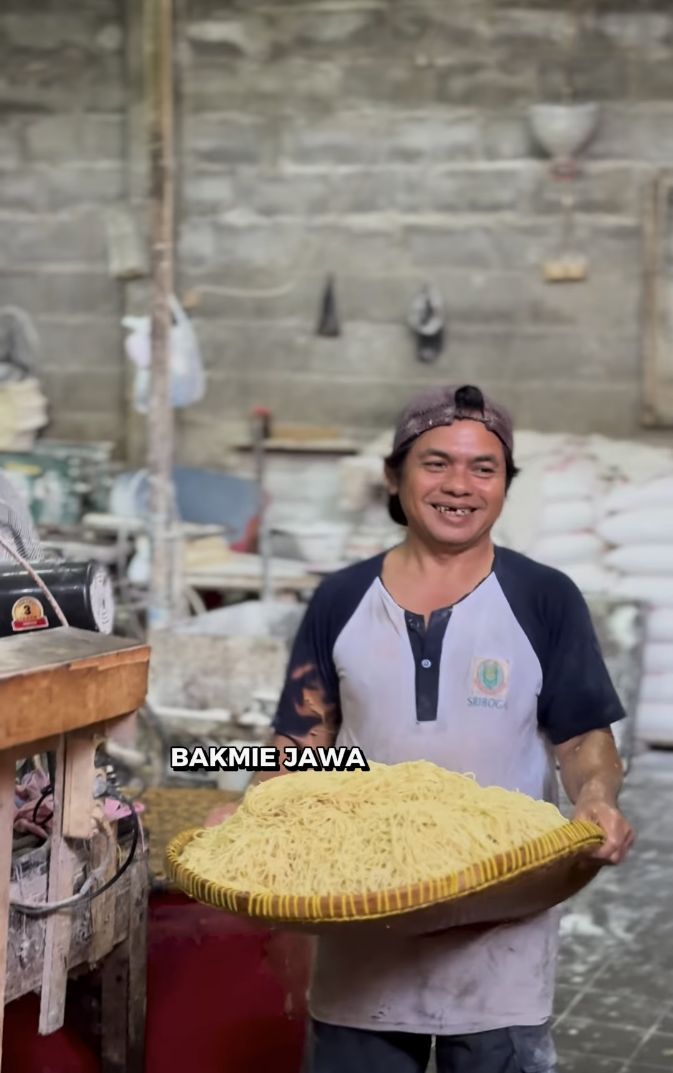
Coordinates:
490 683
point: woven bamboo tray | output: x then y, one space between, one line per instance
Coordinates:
535 876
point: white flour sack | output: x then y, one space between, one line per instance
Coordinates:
653 589
567 516
658 657
642 559
575 479
657 687
567 549
638 527
659 625
654 722
627 497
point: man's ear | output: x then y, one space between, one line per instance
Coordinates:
391 480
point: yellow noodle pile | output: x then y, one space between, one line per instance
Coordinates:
350 832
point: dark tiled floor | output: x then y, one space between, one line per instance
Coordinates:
614 1002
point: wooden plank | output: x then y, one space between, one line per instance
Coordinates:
123 731
7 783
162 602
62 867
103 908
60 688
137 967
289 445
45 649
114 1009
135 293
657 353
80 773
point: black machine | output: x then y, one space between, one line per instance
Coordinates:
83 591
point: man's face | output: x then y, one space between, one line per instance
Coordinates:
452 484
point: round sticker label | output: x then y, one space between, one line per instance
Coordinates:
28 614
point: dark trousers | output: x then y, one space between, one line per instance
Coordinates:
335 1049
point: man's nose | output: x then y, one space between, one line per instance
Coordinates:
456 482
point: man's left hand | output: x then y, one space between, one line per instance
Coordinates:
619 835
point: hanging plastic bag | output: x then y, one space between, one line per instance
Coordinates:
187 379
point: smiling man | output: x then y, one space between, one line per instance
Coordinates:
449 649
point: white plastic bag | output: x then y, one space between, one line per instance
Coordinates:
642 559
188 380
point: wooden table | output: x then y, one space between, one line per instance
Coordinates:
249 582
63 691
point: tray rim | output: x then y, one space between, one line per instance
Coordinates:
572 839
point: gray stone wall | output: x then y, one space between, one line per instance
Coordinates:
385 141
61 164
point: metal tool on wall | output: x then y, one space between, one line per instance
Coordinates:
563 131
328 320
427 322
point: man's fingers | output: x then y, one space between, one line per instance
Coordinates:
220 814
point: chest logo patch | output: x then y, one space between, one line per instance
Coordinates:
490 682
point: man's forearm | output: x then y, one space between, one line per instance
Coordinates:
591 767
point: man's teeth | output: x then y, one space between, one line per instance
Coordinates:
462 511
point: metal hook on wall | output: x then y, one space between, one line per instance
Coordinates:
426 320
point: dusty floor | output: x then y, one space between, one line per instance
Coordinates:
615 984
614 999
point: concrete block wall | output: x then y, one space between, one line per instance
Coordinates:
62 103
385 141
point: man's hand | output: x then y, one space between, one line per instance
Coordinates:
220 814
592 774
619 835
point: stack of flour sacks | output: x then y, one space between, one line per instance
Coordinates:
602 511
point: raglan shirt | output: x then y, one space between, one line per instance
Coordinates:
489 686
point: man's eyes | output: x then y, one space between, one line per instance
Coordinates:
483 470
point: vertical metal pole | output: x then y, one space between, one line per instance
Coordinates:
159 37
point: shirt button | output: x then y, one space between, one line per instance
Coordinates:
426 663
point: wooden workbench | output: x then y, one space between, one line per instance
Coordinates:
63 690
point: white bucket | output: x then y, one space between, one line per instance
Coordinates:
318 542
235 781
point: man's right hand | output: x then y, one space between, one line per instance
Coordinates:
220 814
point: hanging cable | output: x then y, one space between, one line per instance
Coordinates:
86 894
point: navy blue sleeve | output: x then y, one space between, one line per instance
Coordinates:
577 694
310 696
